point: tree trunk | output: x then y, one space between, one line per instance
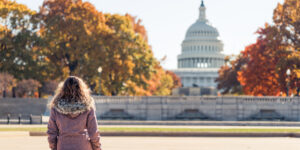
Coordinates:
4 93
14 92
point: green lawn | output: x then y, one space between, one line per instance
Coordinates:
134 129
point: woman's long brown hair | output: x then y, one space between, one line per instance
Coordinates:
72 90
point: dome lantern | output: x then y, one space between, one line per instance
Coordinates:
202 15
202 4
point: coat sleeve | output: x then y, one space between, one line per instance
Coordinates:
52 131
92 128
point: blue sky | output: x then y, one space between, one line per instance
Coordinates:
167 21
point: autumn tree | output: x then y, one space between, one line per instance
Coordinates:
18 41
176 80
80 39
49 87
128 61
7 82
227 81
130 67
72 31
259 76
275 51
27 88
68 37
287 22
162 83
138 27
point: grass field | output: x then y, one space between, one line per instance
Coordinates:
136 129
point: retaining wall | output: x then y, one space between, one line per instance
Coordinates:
215 108
24 106
170 107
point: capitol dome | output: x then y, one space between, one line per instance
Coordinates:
201 29
201 56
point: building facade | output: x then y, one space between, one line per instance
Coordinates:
201 56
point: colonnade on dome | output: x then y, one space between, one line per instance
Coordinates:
200 62
201 54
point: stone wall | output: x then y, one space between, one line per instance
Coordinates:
197 107
174 108
24 106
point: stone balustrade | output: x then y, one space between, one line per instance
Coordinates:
213 108
173 107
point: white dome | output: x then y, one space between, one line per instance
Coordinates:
200 28
201 47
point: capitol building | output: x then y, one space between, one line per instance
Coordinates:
201 56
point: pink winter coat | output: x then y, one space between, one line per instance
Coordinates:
73 127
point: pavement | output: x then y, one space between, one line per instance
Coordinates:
179 134
21 140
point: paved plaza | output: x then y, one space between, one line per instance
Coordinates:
21 140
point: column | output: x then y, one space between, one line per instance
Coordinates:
208 62
201 62
181 63
186 63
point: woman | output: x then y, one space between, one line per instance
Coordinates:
73 123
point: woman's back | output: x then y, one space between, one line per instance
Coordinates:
73 125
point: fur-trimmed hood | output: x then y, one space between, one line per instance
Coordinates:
74 108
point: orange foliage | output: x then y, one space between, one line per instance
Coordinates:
259 77
160 83
227 79
138 27
176 80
